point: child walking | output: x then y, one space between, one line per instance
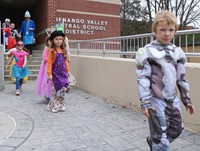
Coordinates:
160 68
13 37
19 69
58 71
8 55
43 85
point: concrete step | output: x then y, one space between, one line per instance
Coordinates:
32 66
34 58
37 51
29 62
36 55
31 77
33 71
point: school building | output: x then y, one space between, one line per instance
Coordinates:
82 19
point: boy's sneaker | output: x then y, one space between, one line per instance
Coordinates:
17 92
149 142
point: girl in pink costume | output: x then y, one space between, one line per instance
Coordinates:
43 85
19 69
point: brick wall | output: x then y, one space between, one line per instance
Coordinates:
40 17
89 6
90 10
47 11
112 29
52 5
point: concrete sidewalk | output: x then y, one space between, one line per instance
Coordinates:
7 126
88 124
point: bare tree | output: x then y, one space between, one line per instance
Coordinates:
130 9
186 11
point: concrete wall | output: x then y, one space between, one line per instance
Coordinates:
1 68
115 80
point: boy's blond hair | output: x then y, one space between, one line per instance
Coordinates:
164 15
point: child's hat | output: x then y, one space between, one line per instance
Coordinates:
27 14
56 33
7 20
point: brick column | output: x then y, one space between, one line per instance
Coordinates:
51 12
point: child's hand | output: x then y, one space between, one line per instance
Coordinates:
191 108
146 111
50 77
23 66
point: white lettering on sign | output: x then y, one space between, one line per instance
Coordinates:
79 26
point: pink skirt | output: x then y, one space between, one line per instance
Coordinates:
43 85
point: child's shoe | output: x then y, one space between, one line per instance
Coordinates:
149 142
62 108
47 99
20 88
17 92
49 106
67 90
56 108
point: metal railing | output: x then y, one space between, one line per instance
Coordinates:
127 46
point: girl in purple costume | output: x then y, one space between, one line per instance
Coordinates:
43 85
57 71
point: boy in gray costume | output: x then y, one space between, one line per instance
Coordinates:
160 68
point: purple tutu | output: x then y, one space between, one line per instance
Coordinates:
43 85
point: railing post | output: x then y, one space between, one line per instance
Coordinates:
1 67
151 38
104 49
78 48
